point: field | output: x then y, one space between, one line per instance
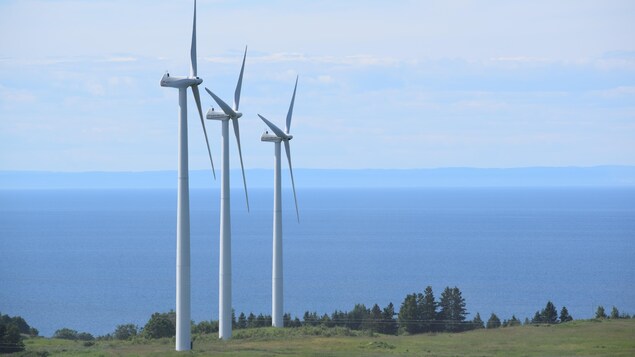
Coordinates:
576 338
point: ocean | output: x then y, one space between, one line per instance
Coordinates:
93 259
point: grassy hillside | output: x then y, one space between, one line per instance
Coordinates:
577 338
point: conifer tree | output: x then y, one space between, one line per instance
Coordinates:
452 311
409 314
389 325
427 310
564 315
242 321
477 322
493 321
549 314
599 313
615 314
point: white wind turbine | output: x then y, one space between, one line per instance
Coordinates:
276 277
225 272
183 321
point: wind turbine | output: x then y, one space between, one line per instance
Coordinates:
225 267
276 278
183 321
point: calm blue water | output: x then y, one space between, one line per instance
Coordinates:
90 260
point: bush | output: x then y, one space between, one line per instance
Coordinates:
125 332
65 334
160 325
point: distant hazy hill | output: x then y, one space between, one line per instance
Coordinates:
607 176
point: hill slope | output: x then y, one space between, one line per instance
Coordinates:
577 338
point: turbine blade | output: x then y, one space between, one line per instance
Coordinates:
226 108
193 47
274 128
240 154
290 113
239 85
287 149
197 99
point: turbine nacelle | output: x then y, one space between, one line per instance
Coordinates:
273 138
179 82
214 115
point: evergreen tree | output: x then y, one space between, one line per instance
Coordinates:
549 314
261 321
409 314
389 325
493 322
452 311
339 318
242 321
477 323
615 314
251 320
358 317
375 319
537 318
427 310
599 313
514 321
564 315
286 320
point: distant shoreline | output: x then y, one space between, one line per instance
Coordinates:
596 176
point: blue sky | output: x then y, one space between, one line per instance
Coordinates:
383 84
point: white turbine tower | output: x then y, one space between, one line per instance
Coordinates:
276 277
183 321
225 267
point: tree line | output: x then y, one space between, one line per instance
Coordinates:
418 313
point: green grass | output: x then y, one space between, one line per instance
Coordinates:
577 338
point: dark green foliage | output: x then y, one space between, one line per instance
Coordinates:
427 310
615 314
66 334
310 319
409 314
478 322
357 317
494 321
599 313
251 320
125 332
242 321
10 339
160 325
374 319
452 311
205 327
564 315
85 336
11 329
514 321
388 323
537 318
549 314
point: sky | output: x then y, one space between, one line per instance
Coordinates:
382 84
